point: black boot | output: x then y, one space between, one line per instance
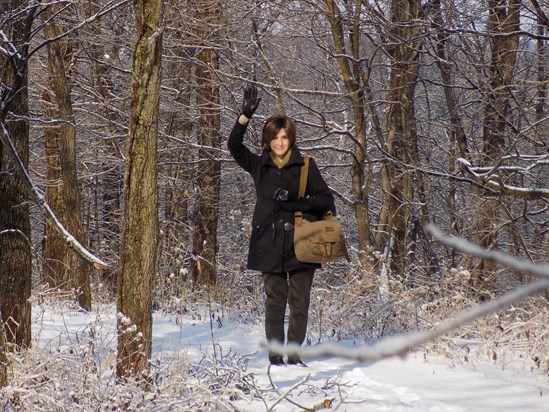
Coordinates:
276 360
297 362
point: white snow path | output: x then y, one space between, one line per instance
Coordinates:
416 383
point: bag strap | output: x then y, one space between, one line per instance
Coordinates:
303 177
298 216
303 185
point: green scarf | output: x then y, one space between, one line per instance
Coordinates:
280 163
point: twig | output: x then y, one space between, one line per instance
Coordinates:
324 404
287 393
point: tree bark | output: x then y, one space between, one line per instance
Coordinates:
138 257
356 82
176 231
3 358
206 213
503 24
108 187
543 82
15 229
64 268
401 142
457 138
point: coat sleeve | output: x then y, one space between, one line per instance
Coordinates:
241 154
318 197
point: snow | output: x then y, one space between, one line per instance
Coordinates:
422 381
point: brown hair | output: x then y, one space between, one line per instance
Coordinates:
273 125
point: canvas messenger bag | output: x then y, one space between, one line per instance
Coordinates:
321 241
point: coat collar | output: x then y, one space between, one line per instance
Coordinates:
295 159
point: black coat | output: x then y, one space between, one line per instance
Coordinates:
271 247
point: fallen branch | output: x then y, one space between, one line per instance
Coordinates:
402 344
325 404
285 395
38 198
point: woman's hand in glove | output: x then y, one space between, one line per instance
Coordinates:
250 102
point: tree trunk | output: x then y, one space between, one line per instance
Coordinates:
543 81
63 267
206 213
178 185
352 75
401 142
456 133
3 358
105 222
504 28
15 229
138 257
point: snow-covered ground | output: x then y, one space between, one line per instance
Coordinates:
419 382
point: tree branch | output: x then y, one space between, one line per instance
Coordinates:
402 344
537 269
38 198
493 182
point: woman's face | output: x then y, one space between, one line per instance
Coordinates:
280 144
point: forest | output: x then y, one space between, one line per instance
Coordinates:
427 119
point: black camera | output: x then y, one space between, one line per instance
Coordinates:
280 194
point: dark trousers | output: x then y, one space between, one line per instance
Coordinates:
291 289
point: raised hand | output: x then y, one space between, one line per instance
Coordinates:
251 102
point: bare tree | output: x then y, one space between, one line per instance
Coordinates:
503 20
139 244
15 229
354 71
457 137
206 16
64 268
3 358
176 153
100 73
397 180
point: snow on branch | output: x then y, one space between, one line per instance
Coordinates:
493 182
402 344
38 198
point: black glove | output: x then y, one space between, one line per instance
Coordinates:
250 103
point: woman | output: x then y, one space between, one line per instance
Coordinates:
276 172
